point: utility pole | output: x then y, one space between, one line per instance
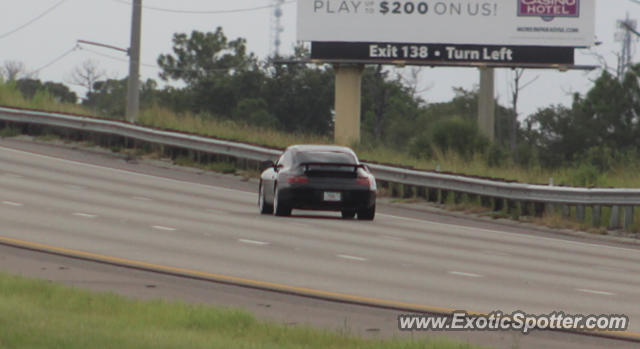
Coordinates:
133 94
625 28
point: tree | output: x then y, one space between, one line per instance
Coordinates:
607 116
301 97
14 70
60 92
412 82
109 96
86 75
389 108
218 73
204 57
516 86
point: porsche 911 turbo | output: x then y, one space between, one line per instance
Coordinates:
318 177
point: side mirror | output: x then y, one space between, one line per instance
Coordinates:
267 164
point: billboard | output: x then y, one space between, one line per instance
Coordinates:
549 23
442 54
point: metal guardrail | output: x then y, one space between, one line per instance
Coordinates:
509 191
145 134
433 180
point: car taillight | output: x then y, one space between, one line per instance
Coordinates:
297 180
364 181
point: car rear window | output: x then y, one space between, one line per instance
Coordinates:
327 157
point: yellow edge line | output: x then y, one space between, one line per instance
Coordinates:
262 284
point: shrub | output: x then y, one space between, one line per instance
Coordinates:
459 136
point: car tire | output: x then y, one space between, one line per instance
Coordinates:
348 214
263 206
280 208
367 214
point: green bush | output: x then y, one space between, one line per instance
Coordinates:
459 136
420 147
602 158
585 175
497 156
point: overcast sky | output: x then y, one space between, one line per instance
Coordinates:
109 21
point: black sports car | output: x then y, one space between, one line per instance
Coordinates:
318 177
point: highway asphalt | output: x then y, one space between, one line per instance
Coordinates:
210 224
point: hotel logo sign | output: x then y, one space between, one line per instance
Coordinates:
549 9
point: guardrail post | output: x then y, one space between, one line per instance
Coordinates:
566 211
580 213
614 222
457 197
628 217
596 215
538 209
243 164
433 195
444 194
395 189
548 209
525 208
512 208
485 201
407 191
421 192
498 204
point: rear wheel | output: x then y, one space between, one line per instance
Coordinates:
348 214
280 207
367 214
264 207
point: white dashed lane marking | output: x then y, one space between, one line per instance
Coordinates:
352 258
141 198
159 227
469 275
84 215
596 292
11 203
253 242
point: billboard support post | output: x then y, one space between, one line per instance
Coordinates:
486 103
348 103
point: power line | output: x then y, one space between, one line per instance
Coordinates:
55 60
153 66
49 10
201 12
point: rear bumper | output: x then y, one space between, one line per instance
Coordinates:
313 198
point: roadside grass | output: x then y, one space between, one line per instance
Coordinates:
224 129
625 175
39 314
10 96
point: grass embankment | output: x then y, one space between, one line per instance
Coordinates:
39 314
625 175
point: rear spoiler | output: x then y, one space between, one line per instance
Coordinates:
306 165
